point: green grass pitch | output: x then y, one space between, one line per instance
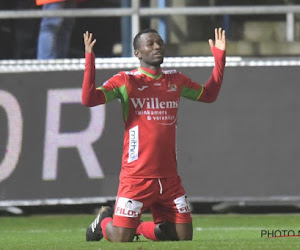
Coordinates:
232 231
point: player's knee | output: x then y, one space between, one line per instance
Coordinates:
186 237
164 232
122 235
185 232
121 238
173 232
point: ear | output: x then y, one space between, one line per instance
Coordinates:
137 54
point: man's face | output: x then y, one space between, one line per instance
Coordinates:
151 50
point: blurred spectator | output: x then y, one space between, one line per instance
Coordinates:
6 32
110 26
25 32
55 32
18 36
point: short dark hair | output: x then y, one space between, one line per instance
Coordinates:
138 35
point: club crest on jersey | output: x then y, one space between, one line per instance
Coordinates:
172 87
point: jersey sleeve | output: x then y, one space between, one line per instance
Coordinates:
92 96
113 87
190 90
212 87
210 90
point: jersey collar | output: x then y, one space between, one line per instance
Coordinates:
155 74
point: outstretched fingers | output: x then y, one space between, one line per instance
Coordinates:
222 35
220 39
217 34
88 42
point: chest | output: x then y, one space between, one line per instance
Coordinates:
165 88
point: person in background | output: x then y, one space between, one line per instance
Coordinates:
25 32
18 36
55 32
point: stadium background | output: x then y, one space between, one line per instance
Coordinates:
240 152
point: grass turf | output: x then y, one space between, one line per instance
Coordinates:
210 232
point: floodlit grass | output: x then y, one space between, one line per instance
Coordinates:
210 232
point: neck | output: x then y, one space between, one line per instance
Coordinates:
157 73
151 67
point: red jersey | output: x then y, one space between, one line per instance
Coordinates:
150 101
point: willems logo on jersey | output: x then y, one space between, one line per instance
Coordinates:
153 103
163 112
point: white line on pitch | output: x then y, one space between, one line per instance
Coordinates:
227 228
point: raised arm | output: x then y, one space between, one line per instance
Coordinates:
212 87
90 95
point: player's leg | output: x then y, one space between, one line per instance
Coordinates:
119 234
103 226
167 231
148 230
174 231
172 215
184 231
94 231
126 218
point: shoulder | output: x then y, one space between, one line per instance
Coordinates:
173 72
116 80
123 76
126 74
133 72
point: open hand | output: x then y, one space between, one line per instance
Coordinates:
88 42
220 39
